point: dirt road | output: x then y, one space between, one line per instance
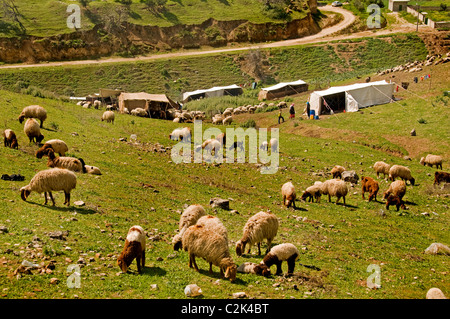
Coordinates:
323 35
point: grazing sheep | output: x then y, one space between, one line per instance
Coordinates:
217 119
392 200
401 171
273 144
313 192
48 181
397 188
441 177
134 248
189 217
205 243
262 225
264 146
70 163
58 146
33 131
108 116
371 186
431 160
337 171
97 104
92 170
33 111
334 187
283 252
10 139
253 268
381 168
227 120
213 223
182 134
222 138
209 145
288 194
139 112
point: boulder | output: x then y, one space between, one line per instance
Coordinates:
219 202
350 176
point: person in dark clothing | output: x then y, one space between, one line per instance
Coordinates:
308 107
291 111
280 116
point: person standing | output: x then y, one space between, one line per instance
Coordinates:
308 108
280 116
291 111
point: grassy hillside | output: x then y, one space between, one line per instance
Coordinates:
142 186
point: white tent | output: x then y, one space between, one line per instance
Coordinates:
282 89
351 98
214 91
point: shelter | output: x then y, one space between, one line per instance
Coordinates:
351 97
155 104
109 96
282 89
233 90
398 5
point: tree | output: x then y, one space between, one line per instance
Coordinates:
154 5
12 13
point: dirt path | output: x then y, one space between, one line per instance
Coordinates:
323 35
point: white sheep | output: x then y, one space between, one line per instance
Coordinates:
288 194
108 116
213 247
188 218
334 187
396 188
283 252
33 131
313 192
134 249
401 171
227 120
381 167
213 223
58 146
273 143
97 104
253 268
432 160
262 225
48 181
92 170
337 171
139 112
33 111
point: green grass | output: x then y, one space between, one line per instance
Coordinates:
341 241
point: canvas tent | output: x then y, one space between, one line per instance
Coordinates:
155 104
282 89
351 98
233 90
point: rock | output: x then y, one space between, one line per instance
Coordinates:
154 287
192 291
3 229
350 176
437 249
219 202
58 234
240 294
54 281
79 203
435 293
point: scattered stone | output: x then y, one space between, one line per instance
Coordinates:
437 249
61 235
192 290
79 203
435 293
413 132
219 202
239 295
154 287
54 281
3 230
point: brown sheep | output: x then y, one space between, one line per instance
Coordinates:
371 186
441 177
134 248
395 200
10 139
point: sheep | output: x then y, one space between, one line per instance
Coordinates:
262 225
401 171
70 163
217 119
273 144
213 223
139 112
397 188
283 252
33 131
33 111
188 218
134 248
57 145
381 167
97 104
50 180
253 268
205 243
288 194
227 120
334 187
108 116
395 200
210 145
313 192
10 139
369 185
441 177
337 171
92 170
264 146
222 138
183 134
431 160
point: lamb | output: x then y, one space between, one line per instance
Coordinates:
337 171
334 187
262 225
313 192
401 171
33 131
273 143
58 146
253 268
205 243
92 170
288 194
70 163
227 120
381 167
134 248
371 186
441 177
392 200
188 218
50 180
108 116
33 111
397 188
283 252
431 160
10 139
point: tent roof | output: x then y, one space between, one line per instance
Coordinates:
345 88
109 92
216 88
283 84
145 96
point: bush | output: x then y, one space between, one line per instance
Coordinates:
249 123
